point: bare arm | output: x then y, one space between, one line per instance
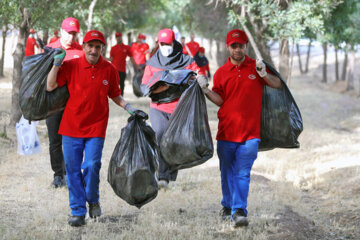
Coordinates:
273 81
119 101
214 97
51 83
132 60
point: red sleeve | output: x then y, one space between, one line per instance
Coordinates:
217 84
114 89
193 66
207 68
63 75
147 75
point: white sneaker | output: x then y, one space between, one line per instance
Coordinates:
163 184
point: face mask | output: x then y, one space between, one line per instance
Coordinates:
166 50
31 35
143 41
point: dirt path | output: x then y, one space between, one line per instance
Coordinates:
308 193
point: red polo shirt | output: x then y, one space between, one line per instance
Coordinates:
193 47
87 110
30 46
139 52
119 52
74 51
241 89
53 39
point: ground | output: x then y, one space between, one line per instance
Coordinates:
308 193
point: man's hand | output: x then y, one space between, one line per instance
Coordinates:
203 83
135 112
58 58
261 68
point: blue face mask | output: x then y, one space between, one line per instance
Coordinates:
143 41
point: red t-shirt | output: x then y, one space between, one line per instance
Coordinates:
87 110
74 51
53 39
165 107
139 52
30 46
241 89
119 52
193 47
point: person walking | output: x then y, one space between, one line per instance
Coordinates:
31 44
55 37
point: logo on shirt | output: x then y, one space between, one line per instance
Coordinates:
76 56
105 82
252 76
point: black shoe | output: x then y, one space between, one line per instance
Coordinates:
94 210
76 221
239 219
225 213
58 182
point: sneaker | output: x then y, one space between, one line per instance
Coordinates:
94 210
76 221
163 184
239 219
225 213
58 182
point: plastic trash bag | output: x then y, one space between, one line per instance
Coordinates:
136 83
134 162
187 140
281 122
28 140
35 102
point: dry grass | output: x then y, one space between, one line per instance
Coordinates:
308 193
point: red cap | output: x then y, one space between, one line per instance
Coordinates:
32 30
236 36
118 34
202 50
140 36
166 36
94 35
56 32
70 25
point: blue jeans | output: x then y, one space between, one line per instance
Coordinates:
236 160
82 174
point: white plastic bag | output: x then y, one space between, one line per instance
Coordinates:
28 140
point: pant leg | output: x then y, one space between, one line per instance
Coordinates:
159 121
122 76
246 154
55 144
73 155
91 168
226 152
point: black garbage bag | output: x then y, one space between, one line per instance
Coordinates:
136 83
134 162
176 80
281 122
35 102
187 140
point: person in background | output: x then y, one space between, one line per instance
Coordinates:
118 54
237 90
183 44
192 46
69 30
91 81
55 37
31 44
140 52
202 61
169 57
155 48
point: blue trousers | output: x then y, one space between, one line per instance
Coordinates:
236 161
82 173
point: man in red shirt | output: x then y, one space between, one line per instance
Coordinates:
237 91
91 80
140 51
183 44
169 57
69 30
55 37
31 44
202 61
118 54
193 46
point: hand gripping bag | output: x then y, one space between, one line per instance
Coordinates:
187 140
35 102
134 162
281 122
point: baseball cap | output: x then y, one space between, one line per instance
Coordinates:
236 36
202 50
70 25
166 36
32 30
141 36
94 35
118 34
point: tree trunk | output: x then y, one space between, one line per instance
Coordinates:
299 57
336 63
91 11
210 48
284 58
2 60
46 36
344 66
221 53
324 75
18 61
129 38
291 63
308 57
350 70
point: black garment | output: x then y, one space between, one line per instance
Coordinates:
55 144
201 60
122 76
176 60
159 120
